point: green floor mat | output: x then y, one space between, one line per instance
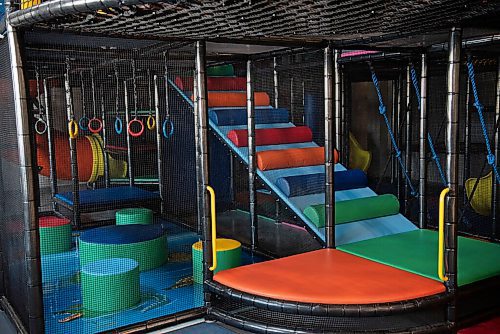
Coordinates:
416 251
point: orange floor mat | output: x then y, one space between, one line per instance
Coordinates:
328 276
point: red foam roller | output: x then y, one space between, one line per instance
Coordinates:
292 157
214 83
274 136
51 221
236 99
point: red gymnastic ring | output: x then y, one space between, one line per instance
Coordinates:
141 126
96 121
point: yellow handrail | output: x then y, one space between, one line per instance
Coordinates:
442 197
214 228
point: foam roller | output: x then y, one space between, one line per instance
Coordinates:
238 116
355 209
214 83
220 71
228 256
300 185
236 99
275 136
293 157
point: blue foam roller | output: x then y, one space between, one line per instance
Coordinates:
300 185
238 116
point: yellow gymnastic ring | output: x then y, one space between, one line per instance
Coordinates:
151 122
73 129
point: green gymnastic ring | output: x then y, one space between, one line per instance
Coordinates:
141 216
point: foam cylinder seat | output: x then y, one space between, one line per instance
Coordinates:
274 136
214 83
238 116
146 244
300 185
142 216
228 256
220 70
292 157
236 99
355 209
110 285
55 235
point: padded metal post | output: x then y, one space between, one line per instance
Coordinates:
467 139
338 101
252 161
29 181
275 82
129 139
329 147
107 178
73 155
408 138
50 140
199 186
495 208
452 161
201 100
159 151
422 140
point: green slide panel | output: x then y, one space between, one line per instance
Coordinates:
417 252
355 209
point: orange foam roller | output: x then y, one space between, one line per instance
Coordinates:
235 99
214 83
63 167
292 157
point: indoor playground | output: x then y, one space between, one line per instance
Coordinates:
249 166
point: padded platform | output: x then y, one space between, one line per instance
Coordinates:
107 196
416 252
328 276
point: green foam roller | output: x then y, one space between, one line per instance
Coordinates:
55 235
355 209
141 216
110 285
146 244
228 256
220 71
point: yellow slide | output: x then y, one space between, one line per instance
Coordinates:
358 157
481 200
117 168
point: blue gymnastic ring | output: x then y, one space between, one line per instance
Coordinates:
84 123
118 125
169 134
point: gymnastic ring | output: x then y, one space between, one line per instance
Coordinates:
165 127
37 126
98 122
151 122
73 129
138 133
118 125
84 123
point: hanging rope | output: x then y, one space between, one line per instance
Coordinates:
480 107
383 111
435 157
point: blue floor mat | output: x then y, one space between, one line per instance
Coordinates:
204 328
159 297
106 196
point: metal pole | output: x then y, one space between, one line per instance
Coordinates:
32 262
158 139
345 123
252 161
73 155
452 161
292 99
408 147
395 126
399 117
107 178
199 186
202 116
329 147
496 189
422 198
129 139
275 82
338 100
50 140
467 134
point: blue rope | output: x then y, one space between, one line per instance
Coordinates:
435 157
480 107
383 111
